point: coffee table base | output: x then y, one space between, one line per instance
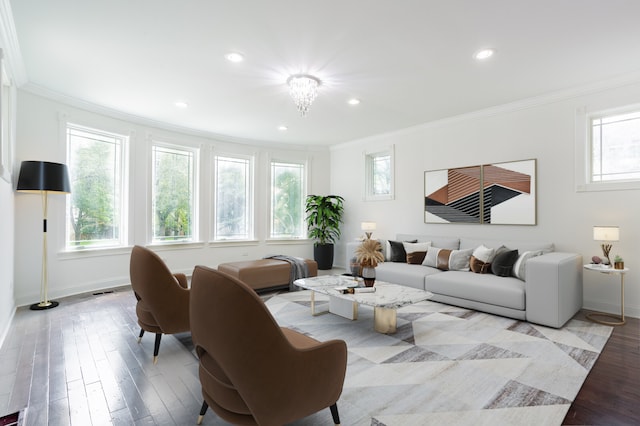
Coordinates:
385 320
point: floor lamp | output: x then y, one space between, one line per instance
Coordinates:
43 177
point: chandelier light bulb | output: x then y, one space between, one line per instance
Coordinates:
303 89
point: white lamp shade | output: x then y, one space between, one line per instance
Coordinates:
606 233
368 226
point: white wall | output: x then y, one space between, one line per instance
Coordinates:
39 137
7 304
536 129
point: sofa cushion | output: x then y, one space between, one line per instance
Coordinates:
405 274
437 241
502 264
508 292
521 245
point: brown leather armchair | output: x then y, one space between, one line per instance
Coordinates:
163 297
252 371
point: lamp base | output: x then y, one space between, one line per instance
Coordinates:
43 305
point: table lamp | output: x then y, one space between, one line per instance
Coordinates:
43 177
606 234
368 228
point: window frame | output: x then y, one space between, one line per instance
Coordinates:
124 214
369 157
305 163
195 182
584 150
250 207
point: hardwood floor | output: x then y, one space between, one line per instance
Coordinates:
79 364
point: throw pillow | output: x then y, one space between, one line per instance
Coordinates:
396 252
484 254
410 248
502 264
442 262
459 260
448 260
431 258
478 266
416 257
520 267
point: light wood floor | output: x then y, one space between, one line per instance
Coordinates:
79 364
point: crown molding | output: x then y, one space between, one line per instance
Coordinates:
10 45
549 98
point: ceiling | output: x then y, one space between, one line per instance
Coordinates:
408 61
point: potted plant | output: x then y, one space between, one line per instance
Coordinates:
618 262
324 215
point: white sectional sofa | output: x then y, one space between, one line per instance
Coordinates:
549 294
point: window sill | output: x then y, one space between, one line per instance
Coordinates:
607 186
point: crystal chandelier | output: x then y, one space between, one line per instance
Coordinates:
303 88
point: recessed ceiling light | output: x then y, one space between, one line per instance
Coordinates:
283 128
484 54
181 104
234 57
353 101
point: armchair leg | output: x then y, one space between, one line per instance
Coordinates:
156 347
203 410
140 336
334 414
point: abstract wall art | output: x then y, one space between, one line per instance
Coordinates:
501 193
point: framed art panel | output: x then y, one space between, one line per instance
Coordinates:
509 193
453 195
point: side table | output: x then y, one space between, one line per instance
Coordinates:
609 271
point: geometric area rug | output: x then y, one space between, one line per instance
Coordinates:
447 365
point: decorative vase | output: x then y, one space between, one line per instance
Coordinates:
369 275
618 265
355 267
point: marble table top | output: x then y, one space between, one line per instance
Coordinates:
386 295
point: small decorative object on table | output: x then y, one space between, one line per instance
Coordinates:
618 262
369 254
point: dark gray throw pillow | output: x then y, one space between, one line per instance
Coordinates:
398 253
502 264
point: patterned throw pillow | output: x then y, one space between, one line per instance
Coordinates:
480 261
419 248
448 260
396 251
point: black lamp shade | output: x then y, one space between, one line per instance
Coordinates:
43 176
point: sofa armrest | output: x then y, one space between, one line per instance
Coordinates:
350 252
553 288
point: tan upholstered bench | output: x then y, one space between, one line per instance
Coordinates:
264 273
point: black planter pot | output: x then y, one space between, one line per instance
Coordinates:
323 254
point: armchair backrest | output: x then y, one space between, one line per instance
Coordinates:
248 366
158 291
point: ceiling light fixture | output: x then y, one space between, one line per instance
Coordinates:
303 89
484 54
234 57
181 104
353 101
283 128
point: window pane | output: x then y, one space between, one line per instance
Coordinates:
381 173
615 148
287 195
232 198
96 171
172 194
